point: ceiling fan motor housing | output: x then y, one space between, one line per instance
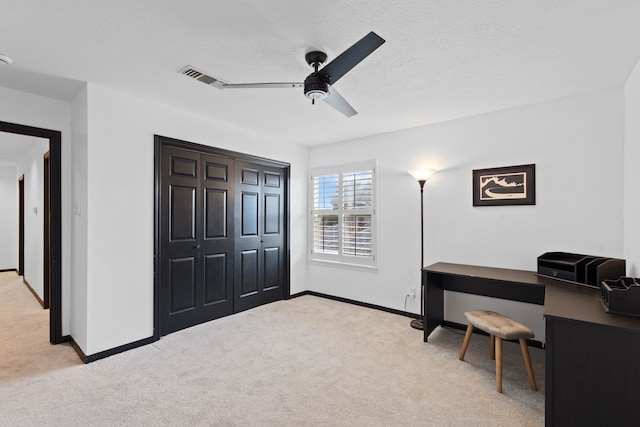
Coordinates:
315 87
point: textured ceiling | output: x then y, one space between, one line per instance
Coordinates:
441 60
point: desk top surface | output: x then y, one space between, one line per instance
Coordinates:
562 299
503 274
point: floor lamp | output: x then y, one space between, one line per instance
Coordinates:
421 175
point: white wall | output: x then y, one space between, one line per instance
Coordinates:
32 110
79 238
32 167
577 146
120 202
632 174
8 218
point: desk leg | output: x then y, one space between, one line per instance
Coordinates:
433 304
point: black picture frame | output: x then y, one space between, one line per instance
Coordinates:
510 185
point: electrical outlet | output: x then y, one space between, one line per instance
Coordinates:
412 293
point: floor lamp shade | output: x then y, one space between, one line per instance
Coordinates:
421 175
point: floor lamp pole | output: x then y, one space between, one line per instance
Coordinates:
419 323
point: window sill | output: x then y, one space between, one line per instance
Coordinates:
361 267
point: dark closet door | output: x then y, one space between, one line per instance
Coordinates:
196 234
260 235
217 236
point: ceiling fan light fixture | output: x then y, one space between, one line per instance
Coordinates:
316 94
315 88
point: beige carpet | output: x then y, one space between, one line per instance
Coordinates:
305 362
24 334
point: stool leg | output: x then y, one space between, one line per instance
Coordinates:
527 364
493 347
499 364
465 343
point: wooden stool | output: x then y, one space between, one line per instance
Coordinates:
499 328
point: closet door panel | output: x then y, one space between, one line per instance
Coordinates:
260 245
217 240
215 273
181 282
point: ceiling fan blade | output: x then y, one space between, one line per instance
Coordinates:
260 85
339 103
351 57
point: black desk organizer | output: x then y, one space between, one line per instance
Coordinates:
621 296
586 270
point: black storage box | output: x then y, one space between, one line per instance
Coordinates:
584 269
621 296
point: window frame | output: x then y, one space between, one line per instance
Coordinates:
341 259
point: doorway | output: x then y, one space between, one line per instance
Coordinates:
221 240
46 256
21 226
54 295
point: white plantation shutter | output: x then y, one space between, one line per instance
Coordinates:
357 191
356 231
325 218
342 210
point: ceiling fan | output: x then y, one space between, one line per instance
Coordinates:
318 84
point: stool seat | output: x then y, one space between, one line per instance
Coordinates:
496 324
499 327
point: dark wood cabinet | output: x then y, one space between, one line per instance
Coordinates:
592 358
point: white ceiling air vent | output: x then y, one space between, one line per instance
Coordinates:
201 76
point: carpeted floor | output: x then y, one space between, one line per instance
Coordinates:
304 362
24 333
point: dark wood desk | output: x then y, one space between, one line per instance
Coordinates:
592 358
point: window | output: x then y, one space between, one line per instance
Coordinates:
342 225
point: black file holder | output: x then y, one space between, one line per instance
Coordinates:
621 296
586 270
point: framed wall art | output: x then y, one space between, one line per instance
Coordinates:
511 185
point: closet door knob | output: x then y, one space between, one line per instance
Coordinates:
196 247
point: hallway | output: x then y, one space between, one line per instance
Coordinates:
24 334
